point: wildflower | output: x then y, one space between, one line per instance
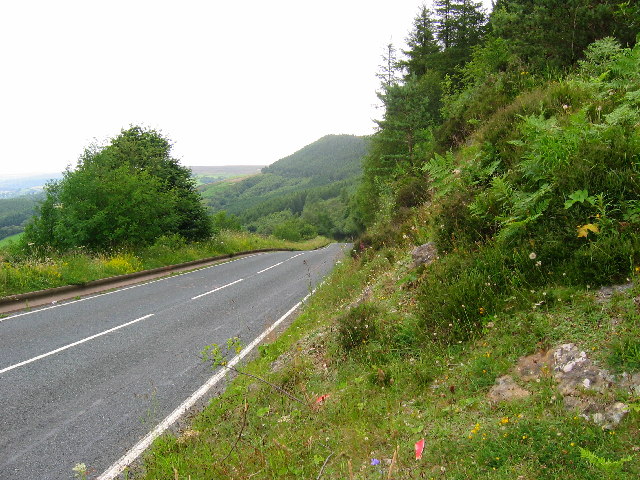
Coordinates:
532 256
538 263
375 461
80 469
504 420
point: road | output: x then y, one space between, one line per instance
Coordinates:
83 381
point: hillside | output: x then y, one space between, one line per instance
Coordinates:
308 190
16 212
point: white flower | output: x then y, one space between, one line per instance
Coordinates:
532 256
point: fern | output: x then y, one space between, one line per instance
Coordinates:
603 463
441 172
526 208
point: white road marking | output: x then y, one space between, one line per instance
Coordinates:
57 350
129 457
279 263
216 289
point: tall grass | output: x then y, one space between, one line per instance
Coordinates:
20 272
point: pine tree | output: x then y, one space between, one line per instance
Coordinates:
423 48
459 27
548 34
388 73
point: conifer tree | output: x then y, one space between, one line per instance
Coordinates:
459 27
547 34
388 73
423 49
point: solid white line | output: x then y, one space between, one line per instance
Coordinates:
126 460
57 350
216 289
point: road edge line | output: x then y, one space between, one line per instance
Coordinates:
128 458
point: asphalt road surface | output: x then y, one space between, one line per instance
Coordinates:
83 381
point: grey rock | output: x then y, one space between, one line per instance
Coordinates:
424 254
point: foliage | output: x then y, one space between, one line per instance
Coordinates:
127 193
301 185
553 35
533 201
223 221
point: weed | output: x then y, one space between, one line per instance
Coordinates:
357 326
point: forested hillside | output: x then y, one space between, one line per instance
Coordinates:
298 196
16 212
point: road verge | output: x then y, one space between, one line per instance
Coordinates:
39 298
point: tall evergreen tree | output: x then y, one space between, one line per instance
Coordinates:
459 27
388 71
424 50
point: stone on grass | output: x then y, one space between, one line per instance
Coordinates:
506 390
424 254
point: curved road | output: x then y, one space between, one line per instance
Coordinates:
83 381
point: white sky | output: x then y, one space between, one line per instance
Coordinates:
233 82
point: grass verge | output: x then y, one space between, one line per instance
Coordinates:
19 274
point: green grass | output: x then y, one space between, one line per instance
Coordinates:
19 274
397 384
11 239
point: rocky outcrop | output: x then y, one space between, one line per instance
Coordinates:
585 387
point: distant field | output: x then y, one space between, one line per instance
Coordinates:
13 238
206 175
226 170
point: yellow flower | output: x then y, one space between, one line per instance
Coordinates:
583 230
504 420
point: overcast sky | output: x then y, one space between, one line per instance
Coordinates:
237 82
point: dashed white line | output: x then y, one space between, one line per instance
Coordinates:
279 263
216 289
57 350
